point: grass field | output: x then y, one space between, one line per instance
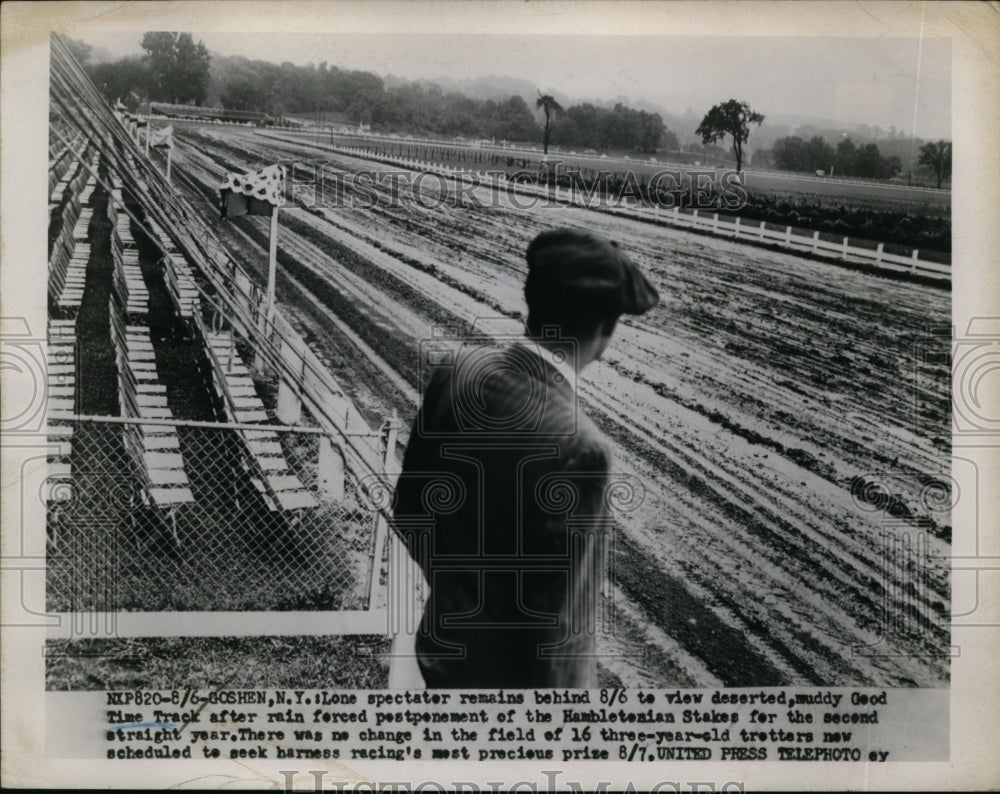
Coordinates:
213 663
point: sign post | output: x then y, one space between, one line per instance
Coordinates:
272 264
258 194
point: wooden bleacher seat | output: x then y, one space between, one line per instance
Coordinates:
170 497
60 402
153 443
264 458
151 401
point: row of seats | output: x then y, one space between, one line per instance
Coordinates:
178 275
60 408
61 162
71 252
153 448
91 183
70 177
127 278
264 459
136 173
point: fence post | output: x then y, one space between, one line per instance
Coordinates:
715 223
694 218
913 267
878 254
760 236
391 426
289 409
330 469
736 228
815 241
788 237
843 250
392 433
677 214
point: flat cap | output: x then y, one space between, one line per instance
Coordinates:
582 265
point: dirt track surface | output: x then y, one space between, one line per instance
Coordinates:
789 420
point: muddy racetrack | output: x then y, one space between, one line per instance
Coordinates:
788 419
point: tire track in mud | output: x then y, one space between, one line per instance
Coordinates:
778 536
631 557
777 559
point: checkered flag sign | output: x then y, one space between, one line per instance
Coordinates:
253 194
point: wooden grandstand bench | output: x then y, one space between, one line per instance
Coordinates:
264 459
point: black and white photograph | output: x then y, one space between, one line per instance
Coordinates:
613 384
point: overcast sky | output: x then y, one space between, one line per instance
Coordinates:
884 81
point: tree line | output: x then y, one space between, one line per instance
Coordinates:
588 126
793 153
176 69
172 69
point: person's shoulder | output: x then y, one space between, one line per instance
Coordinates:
488 374
589 449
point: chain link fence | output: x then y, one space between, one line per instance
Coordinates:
120 540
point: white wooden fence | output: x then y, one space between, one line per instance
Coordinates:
701 220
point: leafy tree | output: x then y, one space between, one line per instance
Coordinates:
937 157
868 162
819 154
550 107
670 142
178 68
649 131
118 80
890 167
243 94
790 154
846 154
794 154
729 118
591 127
513 121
